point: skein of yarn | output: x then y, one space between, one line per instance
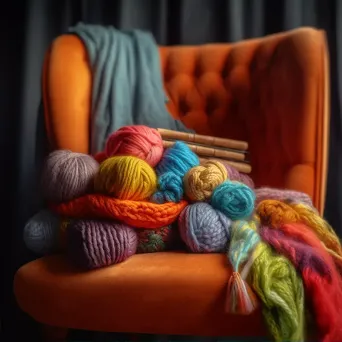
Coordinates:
137 141
179 159
95 244
155 240
276 213
200 181
175 163
41 232
204 229
280 288
234 199
67 175
289 196
126 178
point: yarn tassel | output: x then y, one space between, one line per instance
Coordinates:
240 297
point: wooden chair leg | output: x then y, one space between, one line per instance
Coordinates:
54 334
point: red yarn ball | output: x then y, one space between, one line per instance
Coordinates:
138 141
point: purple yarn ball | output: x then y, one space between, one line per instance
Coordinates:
204 229
235 175
94 244
67 175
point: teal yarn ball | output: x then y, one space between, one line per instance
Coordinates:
41 232
235 200
170 188
174 164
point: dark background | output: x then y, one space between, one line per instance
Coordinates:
27 29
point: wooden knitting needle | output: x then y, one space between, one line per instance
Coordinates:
209 151
203 139
241 167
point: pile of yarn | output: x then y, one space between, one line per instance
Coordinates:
136 197
93 199
280 250
282 254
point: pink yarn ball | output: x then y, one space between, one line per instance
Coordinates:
138 141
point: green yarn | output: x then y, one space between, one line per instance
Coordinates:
280 288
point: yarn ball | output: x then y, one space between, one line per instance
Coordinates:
41 232
67 175
170 188
235 175
234 199
137 141
204 229
94 244
155 240
178 158
175 163
200 181
126 178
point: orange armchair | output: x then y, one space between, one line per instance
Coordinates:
272 92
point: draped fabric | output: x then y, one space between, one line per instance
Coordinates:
27 28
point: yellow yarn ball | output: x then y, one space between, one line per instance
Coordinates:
126 178
200 181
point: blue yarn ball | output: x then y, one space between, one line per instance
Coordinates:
175 163
204 229
234 199
179 159
170 188
41 232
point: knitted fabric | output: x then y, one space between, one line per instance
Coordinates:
134 213
95 244
322 282
155 240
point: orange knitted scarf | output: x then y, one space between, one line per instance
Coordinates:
135 213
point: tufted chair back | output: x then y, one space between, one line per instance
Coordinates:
271 92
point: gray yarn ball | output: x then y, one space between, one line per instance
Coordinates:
68 175
41 232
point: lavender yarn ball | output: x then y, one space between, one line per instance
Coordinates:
235 175
204 229
95 244
41 232
67 175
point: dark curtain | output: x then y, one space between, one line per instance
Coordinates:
27 28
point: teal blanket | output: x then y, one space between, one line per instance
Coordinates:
127 81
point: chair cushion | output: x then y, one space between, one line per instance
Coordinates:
161 293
